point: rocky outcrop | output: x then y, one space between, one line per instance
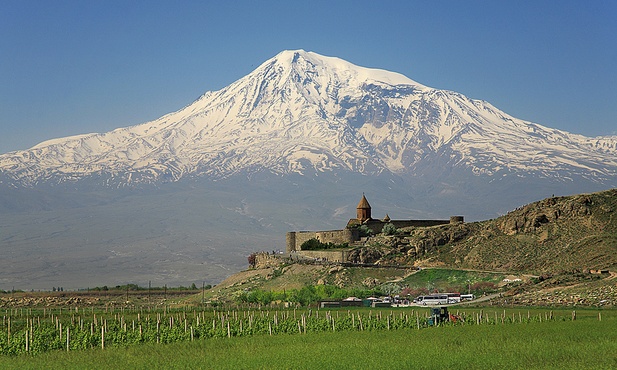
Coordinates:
265 260
426 240
366 255
531 217
409 244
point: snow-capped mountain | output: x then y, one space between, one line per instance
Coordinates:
301 112
291 146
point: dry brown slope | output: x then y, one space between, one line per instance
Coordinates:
555 235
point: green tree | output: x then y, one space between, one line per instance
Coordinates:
311 244
365 230
389 229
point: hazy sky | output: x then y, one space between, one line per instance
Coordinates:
73 67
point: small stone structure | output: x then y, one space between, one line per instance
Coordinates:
264 260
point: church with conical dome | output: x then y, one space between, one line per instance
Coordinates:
363 211
351 235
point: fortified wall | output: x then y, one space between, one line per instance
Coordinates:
351 233
336 256
377 225
295 239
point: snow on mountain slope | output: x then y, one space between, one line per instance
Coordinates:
301 111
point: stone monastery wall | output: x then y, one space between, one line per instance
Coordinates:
295 239
328 256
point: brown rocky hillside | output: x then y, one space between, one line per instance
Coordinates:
555 235
558 238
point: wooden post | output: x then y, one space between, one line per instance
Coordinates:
102 337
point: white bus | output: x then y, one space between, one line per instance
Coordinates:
454 297
467 297
432 299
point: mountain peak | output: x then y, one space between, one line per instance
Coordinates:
317 63
302 112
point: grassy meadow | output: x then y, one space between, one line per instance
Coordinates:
500 339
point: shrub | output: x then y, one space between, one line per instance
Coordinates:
252 258
365 230
314 244
311 244
389 229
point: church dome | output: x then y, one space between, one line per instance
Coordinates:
363 203
363 211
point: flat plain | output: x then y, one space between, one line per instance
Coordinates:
517 338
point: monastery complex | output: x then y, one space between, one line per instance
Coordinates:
352 234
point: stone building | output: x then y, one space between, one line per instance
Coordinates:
351 234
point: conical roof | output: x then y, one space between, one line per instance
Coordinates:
363 203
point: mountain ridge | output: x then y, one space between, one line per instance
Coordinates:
303 112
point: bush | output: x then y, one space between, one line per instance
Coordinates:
389 229
252 259
311 244
365 230
314 244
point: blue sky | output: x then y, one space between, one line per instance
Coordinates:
73 67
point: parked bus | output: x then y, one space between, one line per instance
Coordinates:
467 297
453 297
432 299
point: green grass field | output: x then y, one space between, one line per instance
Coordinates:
586 343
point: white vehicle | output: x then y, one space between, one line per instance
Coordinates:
453 297
432 299
467 297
